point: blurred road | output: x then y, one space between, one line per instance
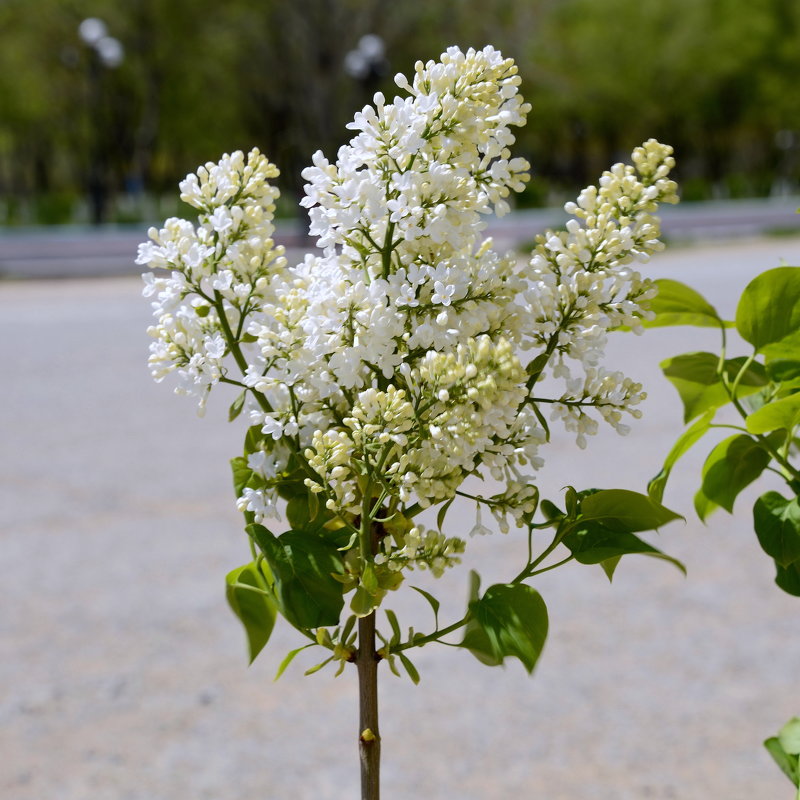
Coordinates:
81 252
124 677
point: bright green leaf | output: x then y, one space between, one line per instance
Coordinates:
545 425
513 620
571 501
302 564
695 376
324 638
313 505
785 350
432 601
388 579
787 763
769 308
475 638
289 658
348 629
369 580
318 667
777 525
788 578
609 566
293 487
783 413
783 370
703 506
241 474
474 586
237 406
678 304
396 634
393 665
782 360
410 668
550 510
595 543
731 466
298 511
624 510
789 736
364 602
685 441
253 439
256 611
443 513
536 367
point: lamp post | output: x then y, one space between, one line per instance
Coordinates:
367 64
104 53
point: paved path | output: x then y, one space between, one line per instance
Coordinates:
123 675
87 252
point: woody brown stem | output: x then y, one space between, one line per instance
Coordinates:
369 740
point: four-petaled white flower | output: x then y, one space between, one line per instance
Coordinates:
442 294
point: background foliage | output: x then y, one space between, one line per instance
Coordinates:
716 78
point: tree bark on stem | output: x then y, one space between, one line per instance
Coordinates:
369 740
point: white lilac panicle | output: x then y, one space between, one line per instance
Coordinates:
406 354
222 270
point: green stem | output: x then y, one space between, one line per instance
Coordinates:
561 563
740 374
731 388
386 252
530 569
432 637
788 443
571 403
528 572
730 427
232 382
241 362
248 587
230 339
365 528
412 511
550 349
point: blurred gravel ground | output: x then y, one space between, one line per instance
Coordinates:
123 675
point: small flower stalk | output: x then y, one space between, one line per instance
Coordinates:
405 355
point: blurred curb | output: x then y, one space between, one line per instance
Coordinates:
84 252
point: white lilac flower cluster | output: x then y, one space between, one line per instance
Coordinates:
582 285
221 270
389 366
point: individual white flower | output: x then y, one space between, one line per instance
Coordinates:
479 529
259 503
442 294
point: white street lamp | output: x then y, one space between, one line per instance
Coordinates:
92 30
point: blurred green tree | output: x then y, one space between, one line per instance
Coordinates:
714 77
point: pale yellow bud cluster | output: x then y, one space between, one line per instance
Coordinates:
381 417
330 456
427 549
471 398
234 178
